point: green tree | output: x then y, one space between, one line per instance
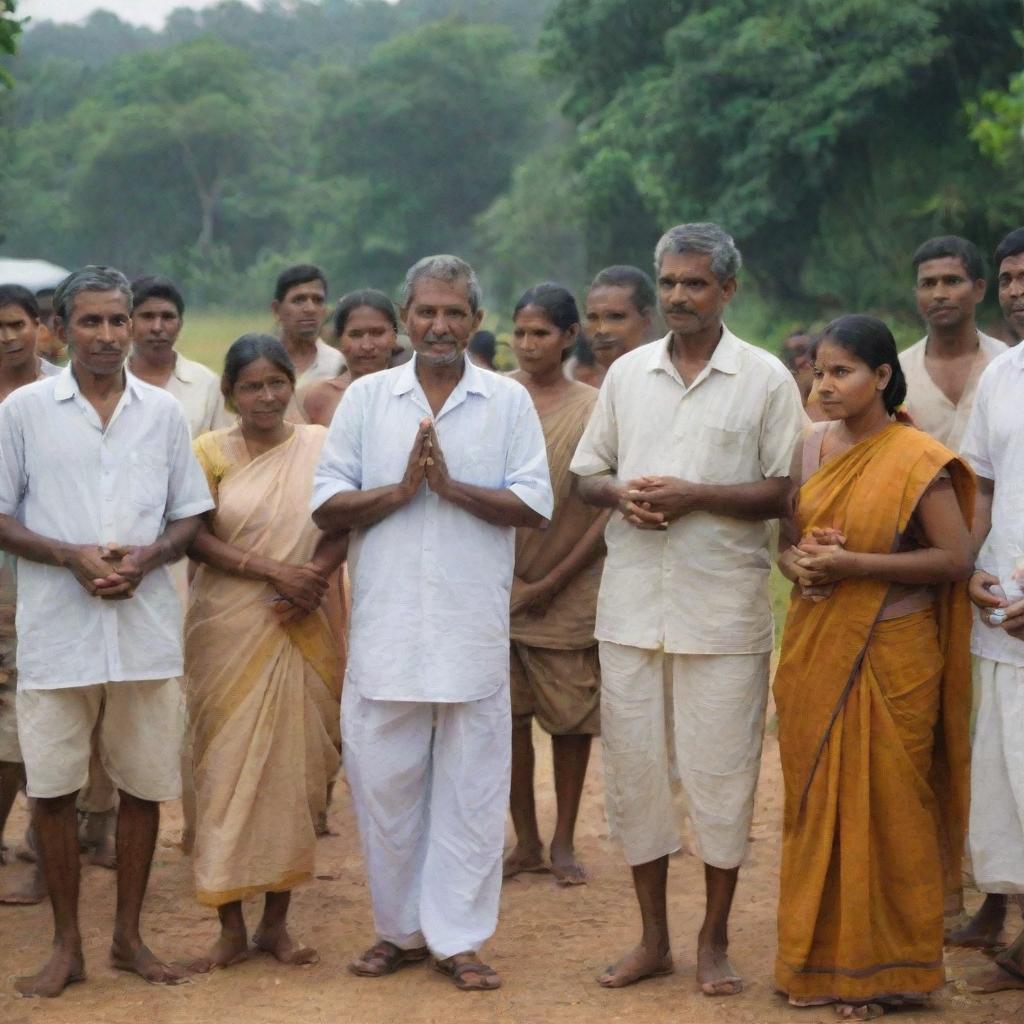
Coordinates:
785 120
10 29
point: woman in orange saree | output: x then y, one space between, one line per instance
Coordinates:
872 690
261 659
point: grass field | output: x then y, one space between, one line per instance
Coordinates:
207 334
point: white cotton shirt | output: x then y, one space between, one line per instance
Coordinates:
926 402
197 388
431 583
65 477
329 362
994 446
701 586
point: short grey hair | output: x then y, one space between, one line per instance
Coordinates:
89 279
449 269
707 239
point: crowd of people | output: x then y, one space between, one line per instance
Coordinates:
390 555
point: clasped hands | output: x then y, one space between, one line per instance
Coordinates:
980 591
820 561
652 502
108 571
426 462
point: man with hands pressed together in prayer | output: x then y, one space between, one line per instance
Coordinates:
691 442
432 465
99 490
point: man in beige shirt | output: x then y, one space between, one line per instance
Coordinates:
158 314
300 299
943 368
691 442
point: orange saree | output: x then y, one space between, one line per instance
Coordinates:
873 736
263 700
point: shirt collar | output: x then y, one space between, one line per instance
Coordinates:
473 380
184 369
67 387
725 358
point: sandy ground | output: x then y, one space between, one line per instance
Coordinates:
550 944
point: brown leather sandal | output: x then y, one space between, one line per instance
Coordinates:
487 982
385 958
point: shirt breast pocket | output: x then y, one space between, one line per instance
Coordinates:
727 455
148 484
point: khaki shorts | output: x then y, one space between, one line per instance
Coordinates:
138 737
694 719
562 689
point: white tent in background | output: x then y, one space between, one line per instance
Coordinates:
35 275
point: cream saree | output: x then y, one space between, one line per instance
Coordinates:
263 700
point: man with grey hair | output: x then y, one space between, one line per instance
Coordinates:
432 465
99 491
691 441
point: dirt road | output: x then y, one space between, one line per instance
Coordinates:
550 944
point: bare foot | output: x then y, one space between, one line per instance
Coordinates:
524 859
566 868
281 946
716 975
231 947
995 979
147 965
64 968
859 1011
984 929
25 853
636 965
26 891
103 855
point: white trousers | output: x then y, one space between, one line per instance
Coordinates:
699 717
430 786
996 835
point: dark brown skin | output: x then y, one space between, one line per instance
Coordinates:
19 363
300 315
156 325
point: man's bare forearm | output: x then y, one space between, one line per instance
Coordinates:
602 490
171 545
765 499
352 509
25 543
497 507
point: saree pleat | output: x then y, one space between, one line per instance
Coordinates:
263 700
873 736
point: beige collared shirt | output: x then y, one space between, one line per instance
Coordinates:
198 390
701 586
929 407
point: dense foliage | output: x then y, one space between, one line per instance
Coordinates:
539 138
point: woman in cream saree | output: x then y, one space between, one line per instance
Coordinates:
872 690
261 659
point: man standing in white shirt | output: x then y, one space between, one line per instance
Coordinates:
432 465
99 490
158 313
994 446
690 441
944 367
300 298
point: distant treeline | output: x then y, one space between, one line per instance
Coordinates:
539 139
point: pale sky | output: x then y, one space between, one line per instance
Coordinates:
140 12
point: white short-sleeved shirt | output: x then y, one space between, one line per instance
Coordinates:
67 478
928 405
701 586
431 582
329 362
994 446
197 388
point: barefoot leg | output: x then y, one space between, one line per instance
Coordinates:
653 956
25 890
984 929
527 854
137 824
571 755
272 935
56 829
232 945
99 838
714 972
12 778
